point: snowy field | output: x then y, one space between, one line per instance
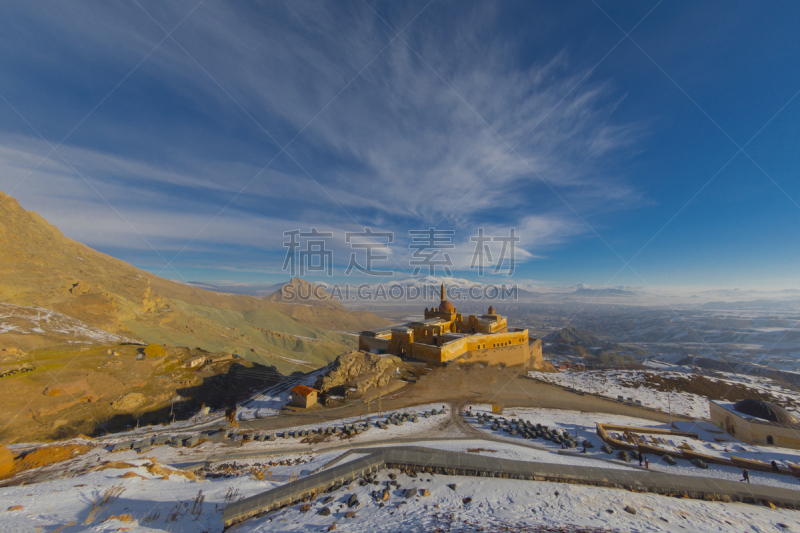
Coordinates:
634 384
146 496
142 492
584 425
518 506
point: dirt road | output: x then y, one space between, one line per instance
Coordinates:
461 386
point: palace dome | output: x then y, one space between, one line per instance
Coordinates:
766 411
446 307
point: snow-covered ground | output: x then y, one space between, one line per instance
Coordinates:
142 501
270 402
584 426
634 384
504 505
143 493
437 426
40 321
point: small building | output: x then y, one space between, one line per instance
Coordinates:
303 396
195 362
757 422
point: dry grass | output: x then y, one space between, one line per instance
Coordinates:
49 455
259 474
114 465
100 504
160 470
120 517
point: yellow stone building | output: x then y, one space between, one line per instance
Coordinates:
445 335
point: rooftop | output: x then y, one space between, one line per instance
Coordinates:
302 390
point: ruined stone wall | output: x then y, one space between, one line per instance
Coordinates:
754 432
368 344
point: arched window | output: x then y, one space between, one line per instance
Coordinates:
770 439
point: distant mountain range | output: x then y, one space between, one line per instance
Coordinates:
585 291
525 292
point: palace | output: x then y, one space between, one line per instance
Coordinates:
445 335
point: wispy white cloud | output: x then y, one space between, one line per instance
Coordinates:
399 149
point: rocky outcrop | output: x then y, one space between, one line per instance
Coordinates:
128 402
360 371
12 354
536 361
544 366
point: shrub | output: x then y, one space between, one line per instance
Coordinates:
155 350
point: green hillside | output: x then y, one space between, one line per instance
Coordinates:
263 336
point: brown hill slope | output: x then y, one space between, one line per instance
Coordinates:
41 268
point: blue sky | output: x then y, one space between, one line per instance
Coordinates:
186 137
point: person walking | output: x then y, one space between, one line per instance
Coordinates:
646 463
775 467
641 457
745 475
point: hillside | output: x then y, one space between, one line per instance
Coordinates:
581 342
71 319
43 271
